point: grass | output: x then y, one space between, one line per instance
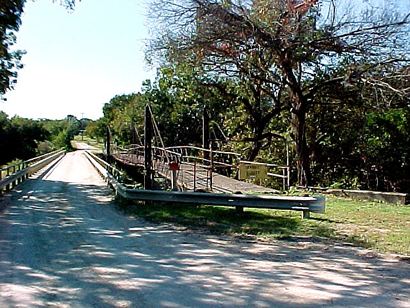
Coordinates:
379 226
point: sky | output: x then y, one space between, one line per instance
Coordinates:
78 60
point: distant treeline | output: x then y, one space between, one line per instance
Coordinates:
22 138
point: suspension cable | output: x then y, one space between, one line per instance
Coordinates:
157 132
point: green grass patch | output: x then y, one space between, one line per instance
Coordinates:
380 226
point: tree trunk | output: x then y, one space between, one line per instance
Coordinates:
257 145
258 128
302 152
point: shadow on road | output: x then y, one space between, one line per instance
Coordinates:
66 244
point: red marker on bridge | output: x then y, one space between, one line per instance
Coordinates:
174 166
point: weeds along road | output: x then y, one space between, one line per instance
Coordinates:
64 244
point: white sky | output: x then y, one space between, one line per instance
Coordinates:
77 61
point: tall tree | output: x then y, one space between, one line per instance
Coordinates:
297 53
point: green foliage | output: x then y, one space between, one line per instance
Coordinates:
177 98
10 19
63 139
356 148
67 129
19 138
385 151
121 113
96 129
22 138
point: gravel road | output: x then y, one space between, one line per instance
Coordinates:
64 244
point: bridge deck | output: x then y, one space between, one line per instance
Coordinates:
197 178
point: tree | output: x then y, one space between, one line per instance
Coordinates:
10 13
19 137
96 129
179 98
297 56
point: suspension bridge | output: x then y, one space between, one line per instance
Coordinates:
193 168
196 175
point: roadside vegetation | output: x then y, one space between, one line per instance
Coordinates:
379 226
21 139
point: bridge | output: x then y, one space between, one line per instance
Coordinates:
193 168
196 175
189 169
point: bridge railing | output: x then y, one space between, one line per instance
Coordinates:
207 157
14 174
304 204
133 152
109 169
265 170
228 163
162 158
202 163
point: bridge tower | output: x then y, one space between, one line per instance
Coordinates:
148 134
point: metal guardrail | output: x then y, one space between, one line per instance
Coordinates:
304 204
23 170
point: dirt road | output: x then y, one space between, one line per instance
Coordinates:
63 244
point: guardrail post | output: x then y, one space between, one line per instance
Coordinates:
305 214
239 209
18 180
212 166
174 185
